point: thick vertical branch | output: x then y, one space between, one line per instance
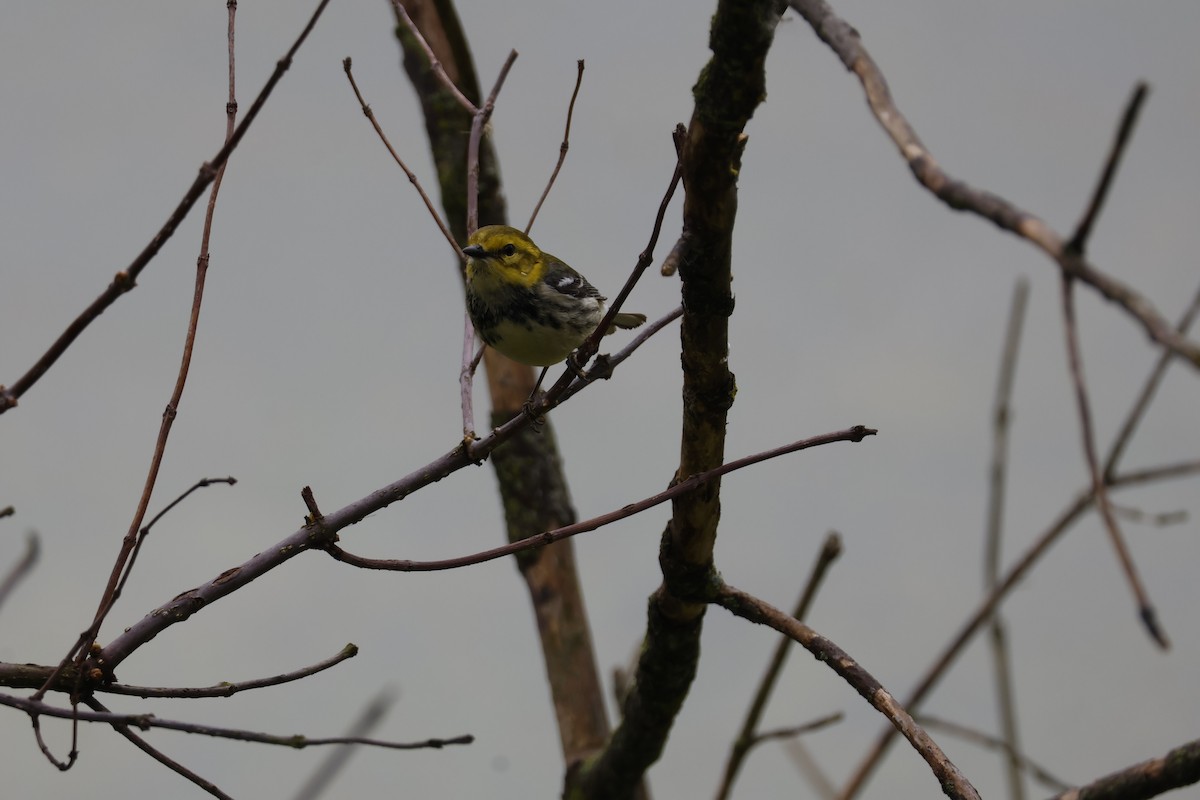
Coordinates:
730 87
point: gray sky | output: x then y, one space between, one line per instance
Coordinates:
328 356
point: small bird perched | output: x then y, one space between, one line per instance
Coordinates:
528 304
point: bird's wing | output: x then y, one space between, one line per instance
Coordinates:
565 280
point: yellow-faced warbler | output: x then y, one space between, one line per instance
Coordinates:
528 304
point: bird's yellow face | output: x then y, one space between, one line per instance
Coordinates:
509 255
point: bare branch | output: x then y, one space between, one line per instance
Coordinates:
168 762
792 732
748 737
562 148
1035 770
478 124
1099 490
412 176
434 64
1083 231
148 721
1002 414
844 40
987 607
335 762
953 783
226 689
855 434
1178 768
126 279
1147 394
22 568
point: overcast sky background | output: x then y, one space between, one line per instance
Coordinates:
328 356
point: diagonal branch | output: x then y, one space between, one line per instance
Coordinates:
531 542
953 783
1177 768
844 40
126 279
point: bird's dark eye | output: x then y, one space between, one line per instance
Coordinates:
509 250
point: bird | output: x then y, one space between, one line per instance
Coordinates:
527 304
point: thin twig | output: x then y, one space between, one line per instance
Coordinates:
162 758
855 434
478 125
22 568
1160 520
1002 415
586 350
562 148
810 769
126 279
1035 770
466 378
1075 359
749 736
412 176
314 534
145 531
1083 231
744 605
792 732
148 721
226 689
124 563
72 756
434 64
1078 245
844 40
1148 390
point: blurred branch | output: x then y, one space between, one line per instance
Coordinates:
1099 490
975 622
22 567
226 689
1002 415
1149 388
810 769
1078 245
334 763
1021 761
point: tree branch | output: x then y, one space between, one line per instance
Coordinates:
844 40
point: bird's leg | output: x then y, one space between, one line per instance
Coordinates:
527 409
577 368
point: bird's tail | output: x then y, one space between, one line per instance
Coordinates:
627 321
